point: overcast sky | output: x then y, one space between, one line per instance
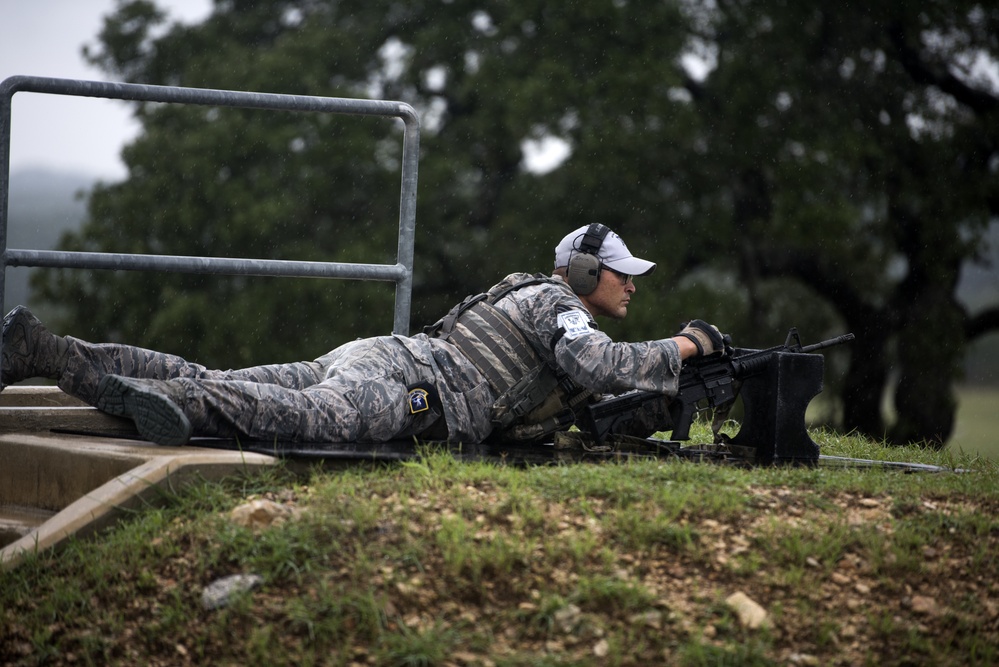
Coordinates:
45 38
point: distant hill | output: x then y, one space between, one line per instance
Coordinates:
42 205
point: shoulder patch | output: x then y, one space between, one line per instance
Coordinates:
575 323
418 401
422 396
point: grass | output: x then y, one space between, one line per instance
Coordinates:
437 562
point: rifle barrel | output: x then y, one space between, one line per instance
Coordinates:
838 340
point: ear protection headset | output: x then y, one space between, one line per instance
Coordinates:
583 272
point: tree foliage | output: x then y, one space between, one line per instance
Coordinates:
787 164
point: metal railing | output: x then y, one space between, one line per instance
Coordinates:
401 273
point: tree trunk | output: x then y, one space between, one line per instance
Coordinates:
930 348
865 380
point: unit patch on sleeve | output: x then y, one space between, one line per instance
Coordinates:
421 397
575 323
418 401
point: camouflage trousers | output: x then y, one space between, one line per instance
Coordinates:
358 392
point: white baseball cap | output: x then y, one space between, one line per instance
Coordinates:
613 253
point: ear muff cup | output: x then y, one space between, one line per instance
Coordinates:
583 273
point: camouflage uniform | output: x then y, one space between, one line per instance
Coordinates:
545 312
362 391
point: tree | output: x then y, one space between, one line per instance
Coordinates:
868 173
830 167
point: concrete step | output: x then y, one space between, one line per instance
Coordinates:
69 470
32 409
17 521
37 396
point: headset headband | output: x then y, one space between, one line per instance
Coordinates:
593 238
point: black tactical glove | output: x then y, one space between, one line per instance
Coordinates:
706 337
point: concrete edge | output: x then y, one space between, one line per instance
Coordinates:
37 396
139 486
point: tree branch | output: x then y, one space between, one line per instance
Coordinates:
814 272
983 323
936 74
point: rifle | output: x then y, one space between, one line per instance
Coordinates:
711 382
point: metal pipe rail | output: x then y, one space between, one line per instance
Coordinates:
400 273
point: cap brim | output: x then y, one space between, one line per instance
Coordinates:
632 266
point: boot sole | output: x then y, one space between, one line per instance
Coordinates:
157 418
18 350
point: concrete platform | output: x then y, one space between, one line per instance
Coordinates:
56 482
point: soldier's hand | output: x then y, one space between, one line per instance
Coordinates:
706 337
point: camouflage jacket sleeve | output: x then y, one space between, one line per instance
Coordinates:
562 331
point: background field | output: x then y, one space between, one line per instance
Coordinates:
977 422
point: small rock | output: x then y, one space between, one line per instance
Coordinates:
221 591
924 605
750 613
652 619
601 648
567 617
261 513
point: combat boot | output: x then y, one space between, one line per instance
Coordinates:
154 406
29 349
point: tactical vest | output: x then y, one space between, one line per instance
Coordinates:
533 398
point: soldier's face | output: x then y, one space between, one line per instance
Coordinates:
612 296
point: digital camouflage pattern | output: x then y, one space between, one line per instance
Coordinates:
359 392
